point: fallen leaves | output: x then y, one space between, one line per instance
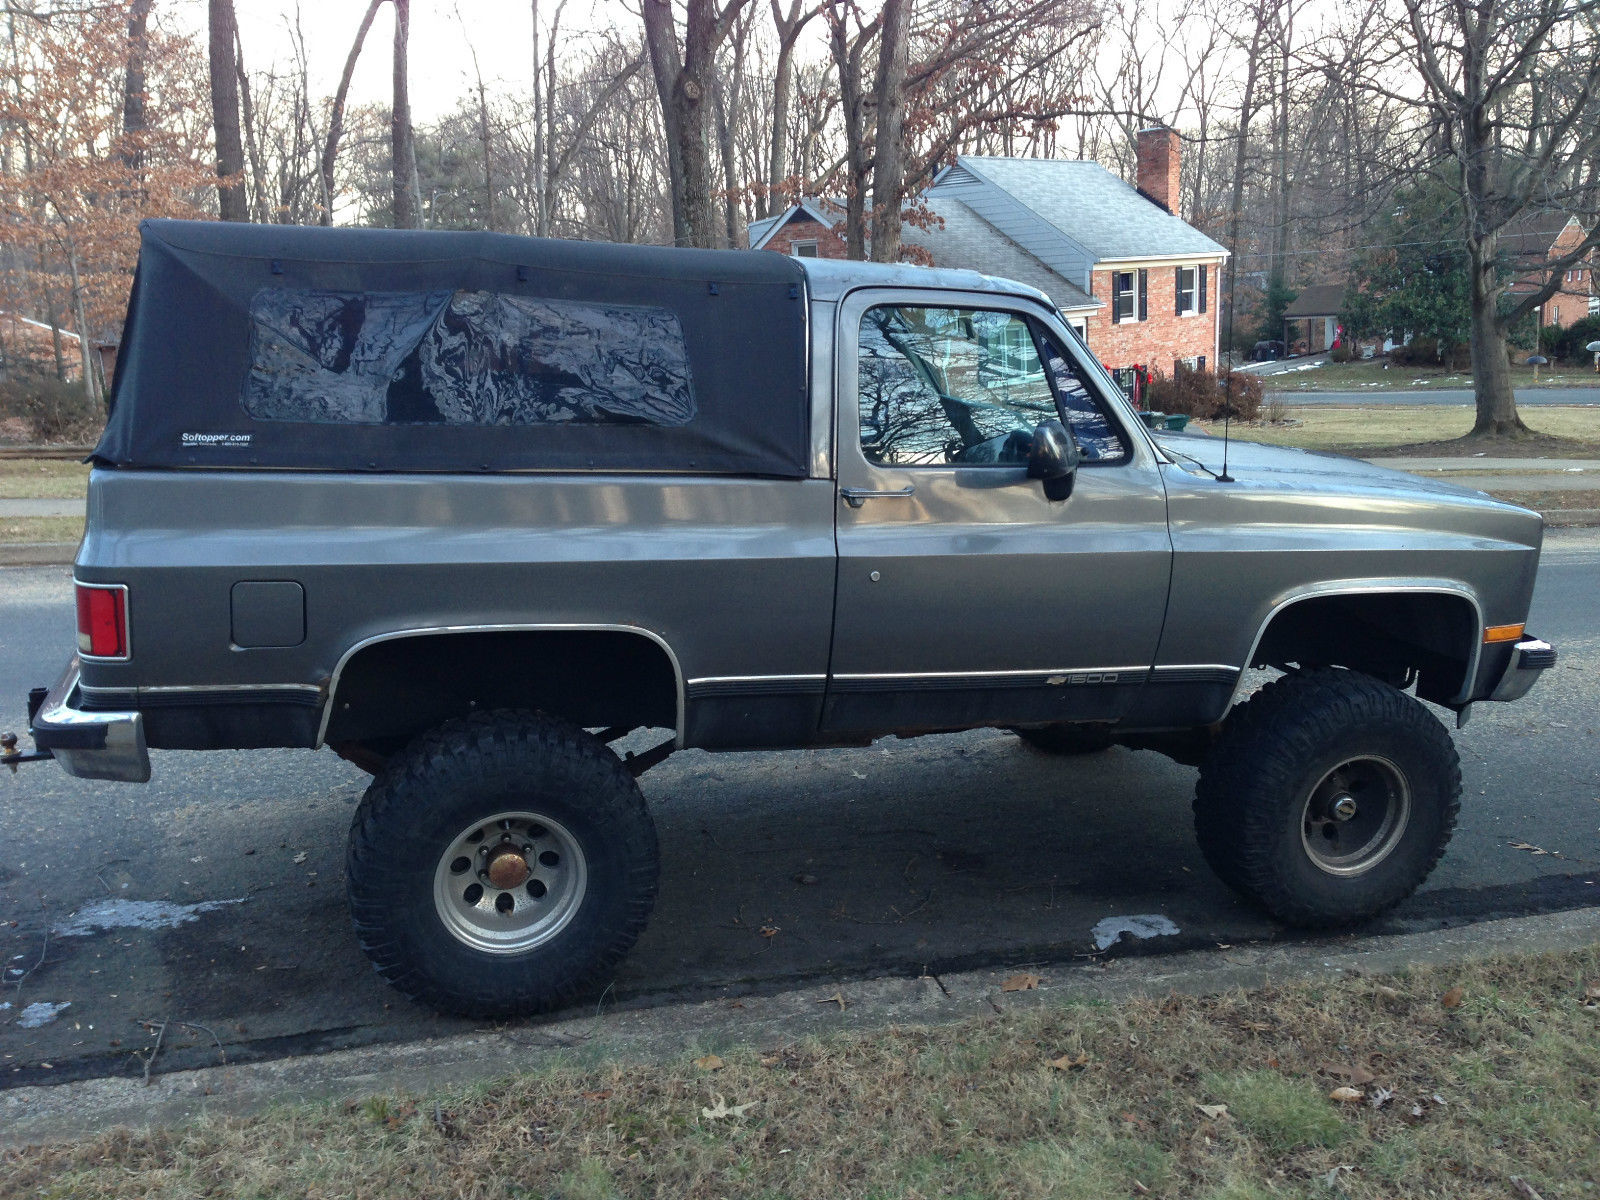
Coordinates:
1020 983
1355 1075
1453 998
1213 1112
300 858
1536 851
1591 994
1347 1095
836 998
602 1094
709 1062
721 1110
1070 1062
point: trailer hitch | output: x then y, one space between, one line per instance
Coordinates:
10 756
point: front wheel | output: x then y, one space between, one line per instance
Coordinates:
501 865
1328 798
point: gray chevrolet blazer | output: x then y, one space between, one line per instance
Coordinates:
467 508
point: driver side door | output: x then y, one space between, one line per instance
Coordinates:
965 597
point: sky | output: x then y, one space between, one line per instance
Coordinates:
442 42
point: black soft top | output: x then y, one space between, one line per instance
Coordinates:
279 346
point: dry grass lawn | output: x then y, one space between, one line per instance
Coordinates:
1383 429
1469 1079
1374 375
21 530
42 479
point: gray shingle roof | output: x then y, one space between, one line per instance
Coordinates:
1092 206
967 240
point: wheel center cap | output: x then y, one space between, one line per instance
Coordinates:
1344 808
507 868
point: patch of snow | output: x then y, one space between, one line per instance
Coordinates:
135 914
41 1012
1109 931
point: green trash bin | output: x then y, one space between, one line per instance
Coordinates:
1177 421
1152 420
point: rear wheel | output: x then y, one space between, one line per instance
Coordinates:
1328 798
501 865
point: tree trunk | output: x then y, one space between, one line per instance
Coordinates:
225 112
1491 369
1235 211
403 166
777 159
135 98
691 97
330 146
888 151
80 317
788 26
661 37
847 59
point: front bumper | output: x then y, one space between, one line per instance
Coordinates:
1529 658
89 745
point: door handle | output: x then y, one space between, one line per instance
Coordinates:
856 497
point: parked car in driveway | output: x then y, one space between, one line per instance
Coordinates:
467 509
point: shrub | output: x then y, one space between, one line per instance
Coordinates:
49 409
1204 394
1572 340
1340 354
1418 352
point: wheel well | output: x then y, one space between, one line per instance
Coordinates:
392 690
1390 635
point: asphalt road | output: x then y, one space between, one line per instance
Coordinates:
936 853
1457 396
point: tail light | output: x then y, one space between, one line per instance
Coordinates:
102 620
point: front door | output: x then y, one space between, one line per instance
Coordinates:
965 597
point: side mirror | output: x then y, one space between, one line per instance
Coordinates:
1054 459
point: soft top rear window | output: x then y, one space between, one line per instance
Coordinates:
463 358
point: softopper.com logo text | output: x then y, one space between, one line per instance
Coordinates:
216 439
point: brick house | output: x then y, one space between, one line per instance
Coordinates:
1135 279
809 229
1530 244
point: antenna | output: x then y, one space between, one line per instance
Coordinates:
1227 416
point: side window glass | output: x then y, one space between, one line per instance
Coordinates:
463 358
1096 434
941 386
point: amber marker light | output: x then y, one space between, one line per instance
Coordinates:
1503 633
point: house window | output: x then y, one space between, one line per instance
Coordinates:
1129 293
1594 306
1188 290
803 249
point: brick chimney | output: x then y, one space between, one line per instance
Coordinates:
1158 166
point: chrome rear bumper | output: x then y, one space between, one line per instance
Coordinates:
90 745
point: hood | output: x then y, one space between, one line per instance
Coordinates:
1253 463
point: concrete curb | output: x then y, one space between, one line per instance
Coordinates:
1569 517
44 1114
38 554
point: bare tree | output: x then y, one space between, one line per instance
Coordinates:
1510 103
330 145
403 141
135 97
224 30
888 150
683 73
788 23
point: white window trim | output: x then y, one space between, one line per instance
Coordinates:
816 249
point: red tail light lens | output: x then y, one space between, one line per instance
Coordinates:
103 621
